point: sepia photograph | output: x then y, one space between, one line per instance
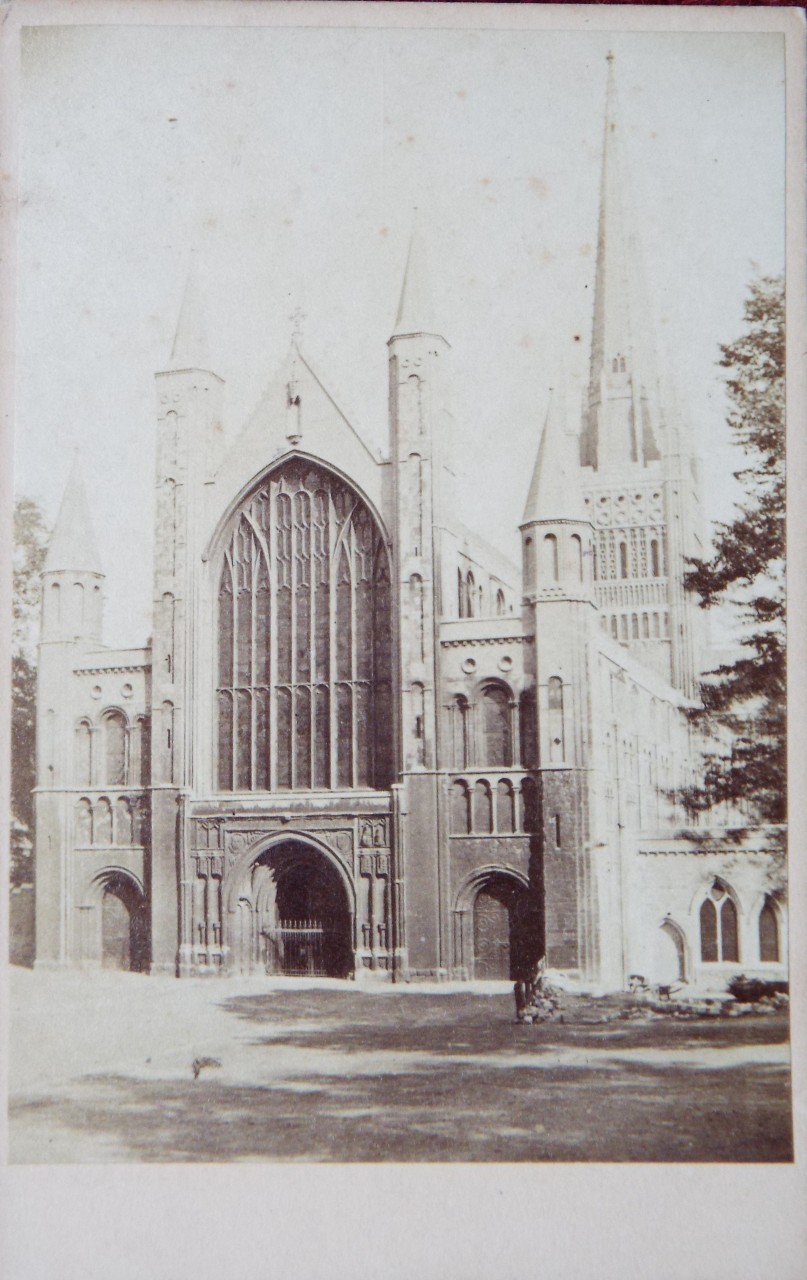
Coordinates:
398 709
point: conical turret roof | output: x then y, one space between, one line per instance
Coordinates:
415 309
73 546
555 492
190 340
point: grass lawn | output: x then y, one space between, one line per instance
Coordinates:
100 1070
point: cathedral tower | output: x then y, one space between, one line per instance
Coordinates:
556 539
417 357
641 481
72 582
188 450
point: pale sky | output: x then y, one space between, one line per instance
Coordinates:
291 160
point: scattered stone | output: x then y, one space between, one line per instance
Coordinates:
536 999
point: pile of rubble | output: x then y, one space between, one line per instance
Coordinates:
537 1000
673 1001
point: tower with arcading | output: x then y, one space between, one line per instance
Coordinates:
640 473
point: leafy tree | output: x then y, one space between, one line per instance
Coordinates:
743 702
30 544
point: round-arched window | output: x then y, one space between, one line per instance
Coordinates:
496 726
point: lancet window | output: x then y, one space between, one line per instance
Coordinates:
304 640
718 921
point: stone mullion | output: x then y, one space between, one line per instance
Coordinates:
273 574
293 547
133 762
333 550
350 536
313 568
253 725
380 562
234 666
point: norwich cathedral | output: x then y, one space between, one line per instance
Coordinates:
362 744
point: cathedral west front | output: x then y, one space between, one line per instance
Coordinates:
360 743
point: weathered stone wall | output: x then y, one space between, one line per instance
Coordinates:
21 926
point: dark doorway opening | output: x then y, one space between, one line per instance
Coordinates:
506 929
124 927
304 918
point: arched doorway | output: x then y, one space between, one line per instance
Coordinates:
670 959
124 926
506 928
300 923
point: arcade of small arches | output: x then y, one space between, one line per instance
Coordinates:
111 752
647 625
621 554
60 607
504 807
492 729
111 821
552 557
471 598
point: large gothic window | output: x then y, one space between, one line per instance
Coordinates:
304 640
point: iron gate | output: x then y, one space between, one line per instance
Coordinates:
298 948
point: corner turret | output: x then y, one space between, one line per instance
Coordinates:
556 530
72 576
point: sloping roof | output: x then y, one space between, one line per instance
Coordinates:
73 545
190 349
415 308
555 492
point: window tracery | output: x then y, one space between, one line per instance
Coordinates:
304 640
719 926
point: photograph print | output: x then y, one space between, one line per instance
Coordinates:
399 603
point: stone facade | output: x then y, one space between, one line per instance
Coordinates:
360 742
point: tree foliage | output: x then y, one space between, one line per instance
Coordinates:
30 544
743 702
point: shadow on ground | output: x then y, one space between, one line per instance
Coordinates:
449 1108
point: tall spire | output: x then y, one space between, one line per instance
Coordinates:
190 340
622 420
555 489
73 546
415 313
611 334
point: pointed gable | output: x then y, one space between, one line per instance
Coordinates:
297 414
73 546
